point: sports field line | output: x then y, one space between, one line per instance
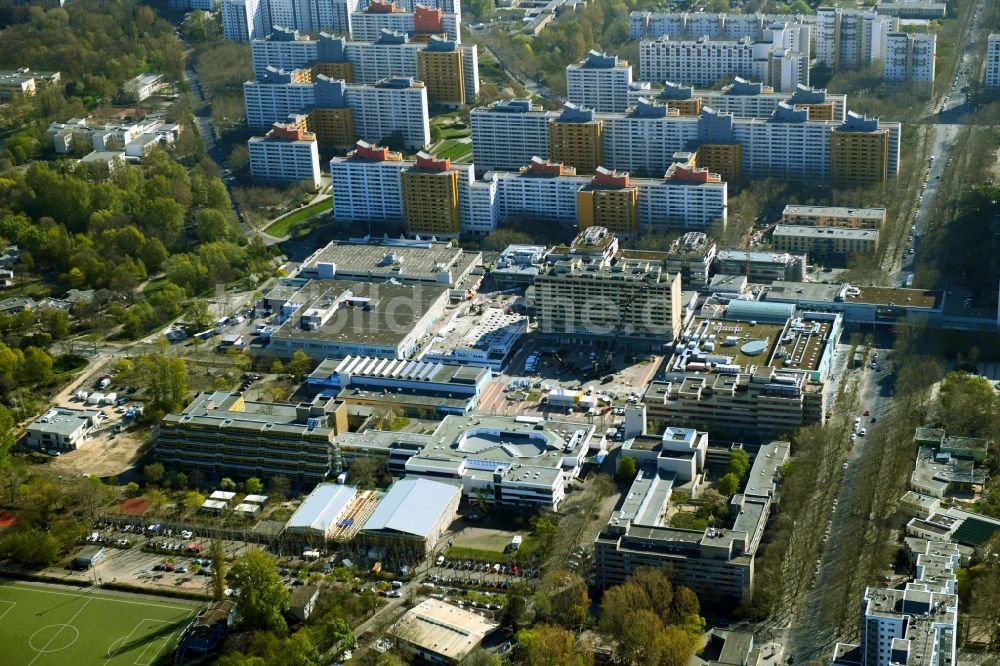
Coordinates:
141 659
32 588
69 623
9 608
124 640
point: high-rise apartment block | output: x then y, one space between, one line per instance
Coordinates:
723 27
704 62
507 134
743 99
686 197
310 17
910 57
991 80
449 70
587 296
373 111
420 23
243 20
432 197
601 82
366 184
440 67
575 139
850 38
287 153
914 625
643 141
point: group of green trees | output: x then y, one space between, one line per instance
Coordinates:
114 231
96 45
968 405
263 599
648 620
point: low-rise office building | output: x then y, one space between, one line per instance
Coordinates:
833 216
761 266
338 318
691 255
24 82
824 241
716 563
913 9
142 87
858 305
224 434
487 340
420 389
286 153
61 429
521 463
440 633
748 370
402 260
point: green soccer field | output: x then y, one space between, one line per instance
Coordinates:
41 626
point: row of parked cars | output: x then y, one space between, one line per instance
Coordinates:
487 567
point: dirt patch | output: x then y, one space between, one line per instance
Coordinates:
482 538
104 456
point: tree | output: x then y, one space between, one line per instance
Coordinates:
627 469
277 367
7 438
253 486
570 603
728 484
364 472
181 480
227 484
300 365
192 501
218 569
739 464
153 473
651 622
31 547
551 645
132 489
262 595
338 632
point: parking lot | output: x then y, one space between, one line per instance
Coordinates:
172 559
539 368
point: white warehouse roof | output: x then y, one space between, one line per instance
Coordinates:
321 509
412 506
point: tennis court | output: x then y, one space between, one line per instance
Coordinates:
41 626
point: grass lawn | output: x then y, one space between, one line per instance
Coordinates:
452 149
281 228
43 625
